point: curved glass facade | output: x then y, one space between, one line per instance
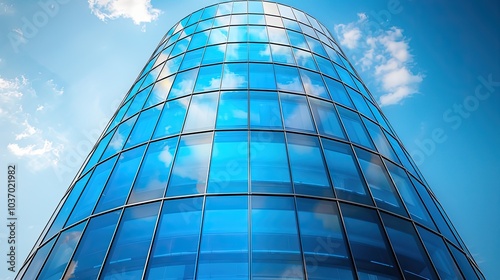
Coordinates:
249 148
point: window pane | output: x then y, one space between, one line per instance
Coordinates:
255 19
192 59
91 251
209 12
409 250
171 66
323 240
144 127
38 260
297 40
463 263
201 113
229 166
239 19
262 76
221 21
173 255
380 184
189 172
183 84
119 138
326 118
172 118
307 166
118 186
296 112
380 141
209 78
316 46
344 172
282 54
181 46
291 24
214 54
238 34
271 8
224 239
269 162
304 59
274 21
288 78
265 110
286 11
338 92
225 9
98 152
259 52
130 247
159 92
277 35
240 7
204 25
255 7
275 243
237 52
313 84
344 76
218 35
137 103
360 103
372 256
235 76
233 110
257 34
401 155
355 128
326 67
199 40
155 170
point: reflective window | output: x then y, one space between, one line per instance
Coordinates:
171 66
181 46
127 256
304 59
172 117
199 40
296 112
233 110
344 172
224 239
345 77
214 54
255 19
255 7
313 84
463 263
259 53
240 7
192 59
38 260
274 21
155 170
325 66
235 76
277 35
297 40
257 34
326 118
237 52
159 92
209 78
307 166
380 141
229 165
300 16
316 46
401 155
137 103
360 103
119 138
323 240
59 257
380 184
202 112
218 35
269 163
238 34
189 172
225 9
183 84
98 151
291 24
174 250
195 17
265 110
287 78
308 30
282 54
118 186
440 256
209 12
144 127
239 19
92 191
355 128
262 76
204 25
409 250
221 21
271 8
92 249
275 242
286 11
338 92
372 256
118 117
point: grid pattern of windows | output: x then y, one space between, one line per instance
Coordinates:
249 148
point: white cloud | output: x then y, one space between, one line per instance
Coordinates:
55 88
139 11
28 131
385 56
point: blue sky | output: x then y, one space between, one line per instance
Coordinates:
434 67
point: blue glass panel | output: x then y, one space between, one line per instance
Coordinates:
144 127
214 54
192 59
307 166
378 116
127 256
171 66
209 12
275 242
345 77
194 17
116 191
229 165
257 34
224 239
291 24
269 163
38 260
183 84
91 192
204 25
277 35
274 21
255 7
181 46
93 246
304 59
60 255
409 194
282 54
286 11
296 113
338 92
189 172
240 7
237 52
238 34
464 264
155 170
355 128
265 110
316 46
360 103
221 21
440 256
98 152
218 35
173 255
314 85
323 240
202 112
326 118
119 116
159 91
300 16
307 30
297 40
326 67
137 103
209 78
344 172
372 255
255 19
259 52
409 250
262 76
225 9
172 117
239 19
401 155
288 78
380 184
380 141
233 110
235 76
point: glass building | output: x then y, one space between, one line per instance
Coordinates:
249 148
